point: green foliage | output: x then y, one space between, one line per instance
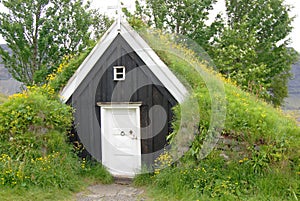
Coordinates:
205 179
247 117
216 179
265 141
40 33
33 143
234 58
252 49
33 148
34 112
35 193
46 171
95 172
66 69
142 179
185 17
249 45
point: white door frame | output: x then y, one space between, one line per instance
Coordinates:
136 107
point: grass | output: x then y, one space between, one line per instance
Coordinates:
269 171
95 175
35 193
50 193
216 179
36 162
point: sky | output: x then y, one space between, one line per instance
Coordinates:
219 7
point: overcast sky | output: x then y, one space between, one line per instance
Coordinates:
295 35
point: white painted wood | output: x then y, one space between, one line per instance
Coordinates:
120 138
156 65
88 63
119 75
118 8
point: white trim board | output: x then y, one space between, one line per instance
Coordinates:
120 105
142 49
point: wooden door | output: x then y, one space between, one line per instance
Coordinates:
120 137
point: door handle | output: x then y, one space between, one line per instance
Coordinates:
133 136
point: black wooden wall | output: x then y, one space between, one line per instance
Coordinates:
140 85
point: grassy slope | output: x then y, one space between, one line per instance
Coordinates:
249 121
245 113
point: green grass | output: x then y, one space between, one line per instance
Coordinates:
270 173
92 175
35 193
96 173
216 179
36 162
50 193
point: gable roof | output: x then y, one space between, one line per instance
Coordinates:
142 49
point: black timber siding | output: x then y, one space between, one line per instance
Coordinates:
140 85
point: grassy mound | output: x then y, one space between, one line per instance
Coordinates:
258 156
34 149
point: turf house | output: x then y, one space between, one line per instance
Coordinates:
122 94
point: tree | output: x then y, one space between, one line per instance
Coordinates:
234 55
183 17
41 32
252 48
249 45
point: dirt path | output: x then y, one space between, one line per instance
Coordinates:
112 192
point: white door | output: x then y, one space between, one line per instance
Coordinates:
120 138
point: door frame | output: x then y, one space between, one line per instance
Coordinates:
104 106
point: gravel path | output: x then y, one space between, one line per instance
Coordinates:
112 192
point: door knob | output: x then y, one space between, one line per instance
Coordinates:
122 133
133 136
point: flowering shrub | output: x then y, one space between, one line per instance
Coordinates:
33 111
33 148
66 69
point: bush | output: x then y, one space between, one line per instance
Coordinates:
33 147
33 111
